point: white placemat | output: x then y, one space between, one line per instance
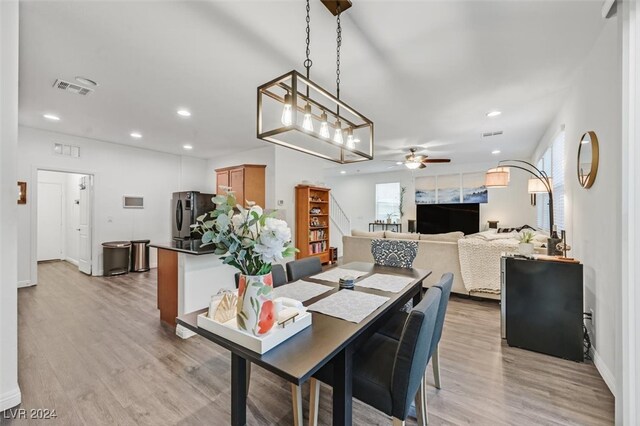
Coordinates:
334 274
301 290
349 305
385 282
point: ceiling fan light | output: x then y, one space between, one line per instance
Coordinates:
412 165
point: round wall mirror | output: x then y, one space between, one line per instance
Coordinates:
588 159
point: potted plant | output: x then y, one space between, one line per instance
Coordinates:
526 243
250 241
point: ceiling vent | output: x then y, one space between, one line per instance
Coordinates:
489 134
72 87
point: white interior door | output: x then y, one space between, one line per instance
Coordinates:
50 221
84 225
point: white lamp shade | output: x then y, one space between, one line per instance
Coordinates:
412 165
497 178
536 186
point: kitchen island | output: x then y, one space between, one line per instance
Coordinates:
188 275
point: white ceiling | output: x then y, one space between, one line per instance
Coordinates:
425 72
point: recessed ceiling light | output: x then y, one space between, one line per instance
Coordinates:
136 135
342 172
495 152
51 117
187 147
86 81
494 113
184 112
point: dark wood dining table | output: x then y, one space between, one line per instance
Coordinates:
327 339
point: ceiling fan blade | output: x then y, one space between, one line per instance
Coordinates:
422 166
436 160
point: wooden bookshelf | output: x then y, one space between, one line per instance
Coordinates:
312 240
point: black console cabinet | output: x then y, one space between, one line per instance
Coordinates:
542 306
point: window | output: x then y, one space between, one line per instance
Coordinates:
387 200
552 162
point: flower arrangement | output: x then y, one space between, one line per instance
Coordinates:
250 241
247 239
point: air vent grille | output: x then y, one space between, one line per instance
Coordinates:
72 87
489 134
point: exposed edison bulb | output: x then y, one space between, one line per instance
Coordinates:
307 123
324 126
287 117
351 143
337 136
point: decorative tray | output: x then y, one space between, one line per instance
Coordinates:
229 330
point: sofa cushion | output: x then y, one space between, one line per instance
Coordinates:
377 234
401 235
449 236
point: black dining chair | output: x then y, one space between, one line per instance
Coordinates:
387 373
277 273
297 269
393 328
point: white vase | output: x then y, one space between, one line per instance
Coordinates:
255 311
525 248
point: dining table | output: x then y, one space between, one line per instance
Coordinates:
327 339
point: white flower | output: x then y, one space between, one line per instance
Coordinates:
273 240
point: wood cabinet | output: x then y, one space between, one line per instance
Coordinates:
312 222
246 180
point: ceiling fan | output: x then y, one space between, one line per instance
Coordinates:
413 161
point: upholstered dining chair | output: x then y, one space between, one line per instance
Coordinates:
297 269
277 273
387 373
396 253
393 328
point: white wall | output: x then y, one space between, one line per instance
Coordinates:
9 389
118 170
356 194
593 216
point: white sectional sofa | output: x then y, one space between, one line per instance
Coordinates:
436 252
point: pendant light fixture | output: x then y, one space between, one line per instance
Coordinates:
291 107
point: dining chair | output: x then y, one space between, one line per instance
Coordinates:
277 273
387 373
396 253
297 269
393 328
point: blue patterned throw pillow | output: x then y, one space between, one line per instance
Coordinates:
396 253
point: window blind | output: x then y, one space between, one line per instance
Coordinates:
552 162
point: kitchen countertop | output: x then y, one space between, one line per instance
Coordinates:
185 246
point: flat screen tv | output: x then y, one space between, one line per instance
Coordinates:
441 218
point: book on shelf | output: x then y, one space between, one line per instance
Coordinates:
320 247
319 234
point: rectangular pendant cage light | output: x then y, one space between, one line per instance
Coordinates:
305 96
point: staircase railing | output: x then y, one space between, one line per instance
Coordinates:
338 216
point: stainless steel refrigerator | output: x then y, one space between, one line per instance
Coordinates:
186 207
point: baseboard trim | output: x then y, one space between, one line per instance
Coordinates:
71 261
10 399
604 371
25 283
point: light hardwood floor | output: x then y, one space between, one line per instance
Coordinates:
94 350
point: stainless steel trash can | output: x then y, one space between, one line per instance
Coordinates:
140 255
115 258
